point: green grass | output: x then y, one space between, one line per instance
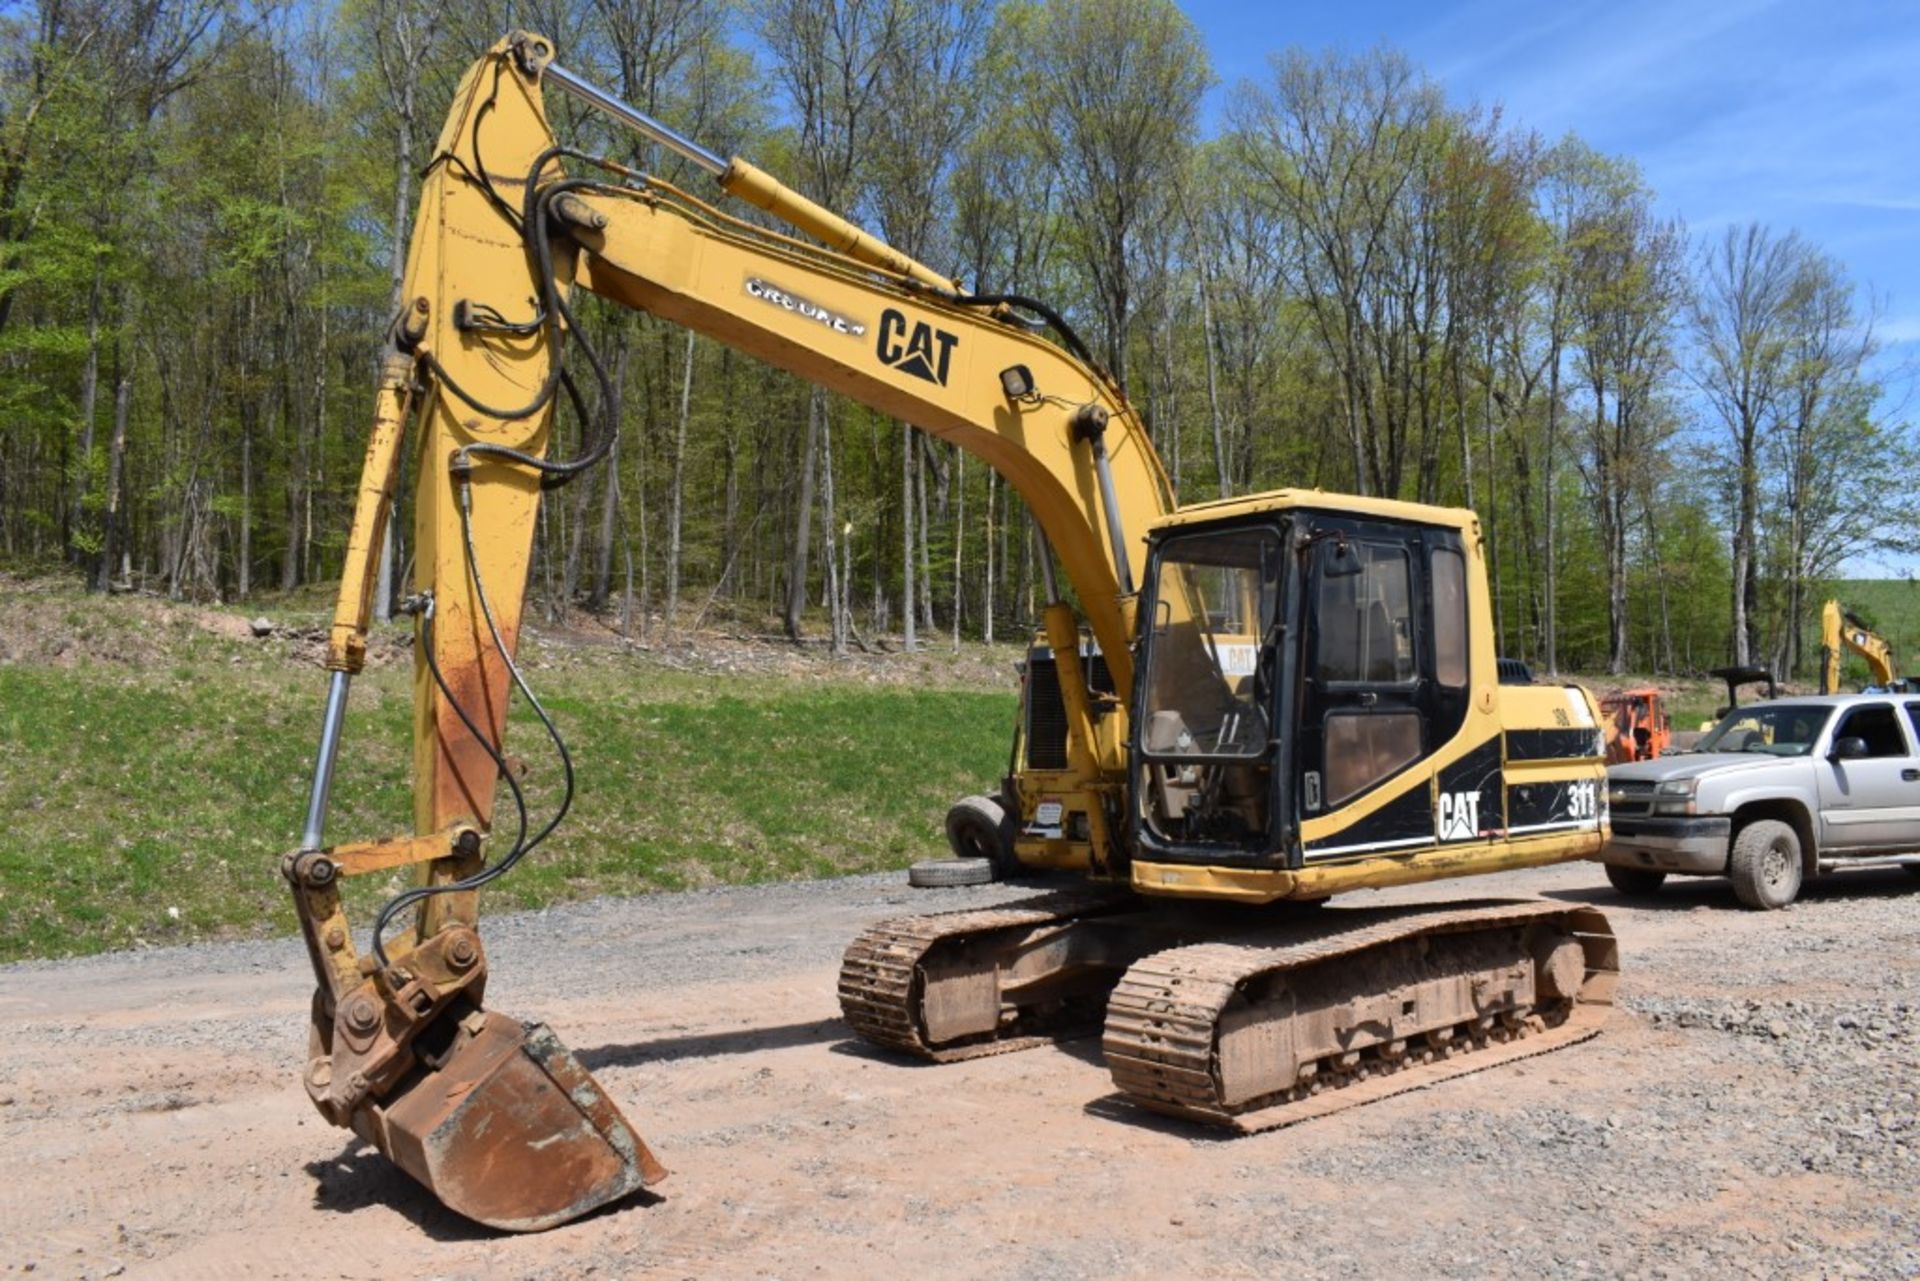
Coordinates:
154 764
147 798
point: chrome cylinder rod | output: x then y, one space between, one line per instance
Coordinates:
635 119
336 716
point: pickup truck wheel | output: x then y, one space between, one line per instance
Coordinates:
1765 867
1635 881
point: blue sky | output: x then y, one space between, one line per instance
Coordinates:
1799 114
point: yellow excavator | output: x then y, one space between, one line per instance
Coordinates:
1842 630
1242 708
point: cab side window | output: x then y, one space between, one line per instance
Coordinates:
1366 617
1449 617
1877 724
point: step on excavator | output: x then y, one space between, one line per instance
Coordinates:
1296 698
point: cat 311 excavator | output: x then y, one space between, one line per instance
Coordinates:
1842 630
1242 707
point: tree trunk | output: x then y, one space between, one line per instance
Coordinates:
678 484
796 603
111 538
244 559
89 399
959 539
1549 639
837 620
986 611
609 513
907 524
1213 391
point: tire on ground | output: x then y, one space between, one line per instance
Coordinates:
1635 881
979 827
943 873
1765 867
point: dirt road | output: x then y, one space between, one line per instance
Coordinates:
1750 1110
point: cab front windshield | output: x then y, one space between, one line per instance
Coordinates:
1779 729
1216 602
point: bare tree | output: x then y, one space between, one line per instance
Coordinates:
1336 143
1111 90
1740 321
1628 282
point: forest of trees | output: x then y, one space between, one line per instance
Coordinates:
1341 279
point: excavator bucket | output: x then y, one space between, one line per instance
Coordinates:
511 1131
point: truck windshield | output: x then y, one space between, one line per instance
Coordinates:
1216 599
1777 729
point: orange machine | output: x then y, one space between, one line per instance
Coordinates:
1637 725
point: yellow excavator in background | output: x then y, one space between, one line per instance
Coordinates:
1842 630
1243 704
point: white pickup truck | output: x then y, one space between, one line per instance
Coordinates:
1777 792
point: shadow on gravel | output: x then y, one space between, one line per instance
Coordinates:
706 1044
855 1048
1685 893
1084 1046
360 1177
1115 1107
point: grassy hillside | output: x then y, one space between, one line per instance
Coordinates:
156 757
154 760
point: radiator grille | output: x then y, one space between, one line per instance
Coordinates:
1047 712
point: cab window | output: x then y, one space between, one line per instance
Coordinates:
1449 617
1877 724
1366 616
1365 747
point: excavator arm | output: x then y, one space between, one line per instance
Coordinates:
1841 630
495 1116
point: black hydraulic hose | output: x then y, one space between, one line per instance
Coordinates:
1054 319
520 682
560 320
400 902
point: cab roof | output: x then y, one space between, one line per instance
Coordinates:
1459 518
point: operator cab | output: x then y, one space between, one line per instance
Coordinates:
1293 663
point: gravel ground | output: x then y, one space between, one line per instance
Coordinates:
1750 1110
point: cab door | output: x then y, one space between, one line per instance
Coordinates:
1872 801
1370 709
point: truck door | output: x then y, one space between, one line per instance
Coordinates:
1873 801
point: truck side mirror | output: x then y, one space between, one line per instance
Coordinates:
1848 749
